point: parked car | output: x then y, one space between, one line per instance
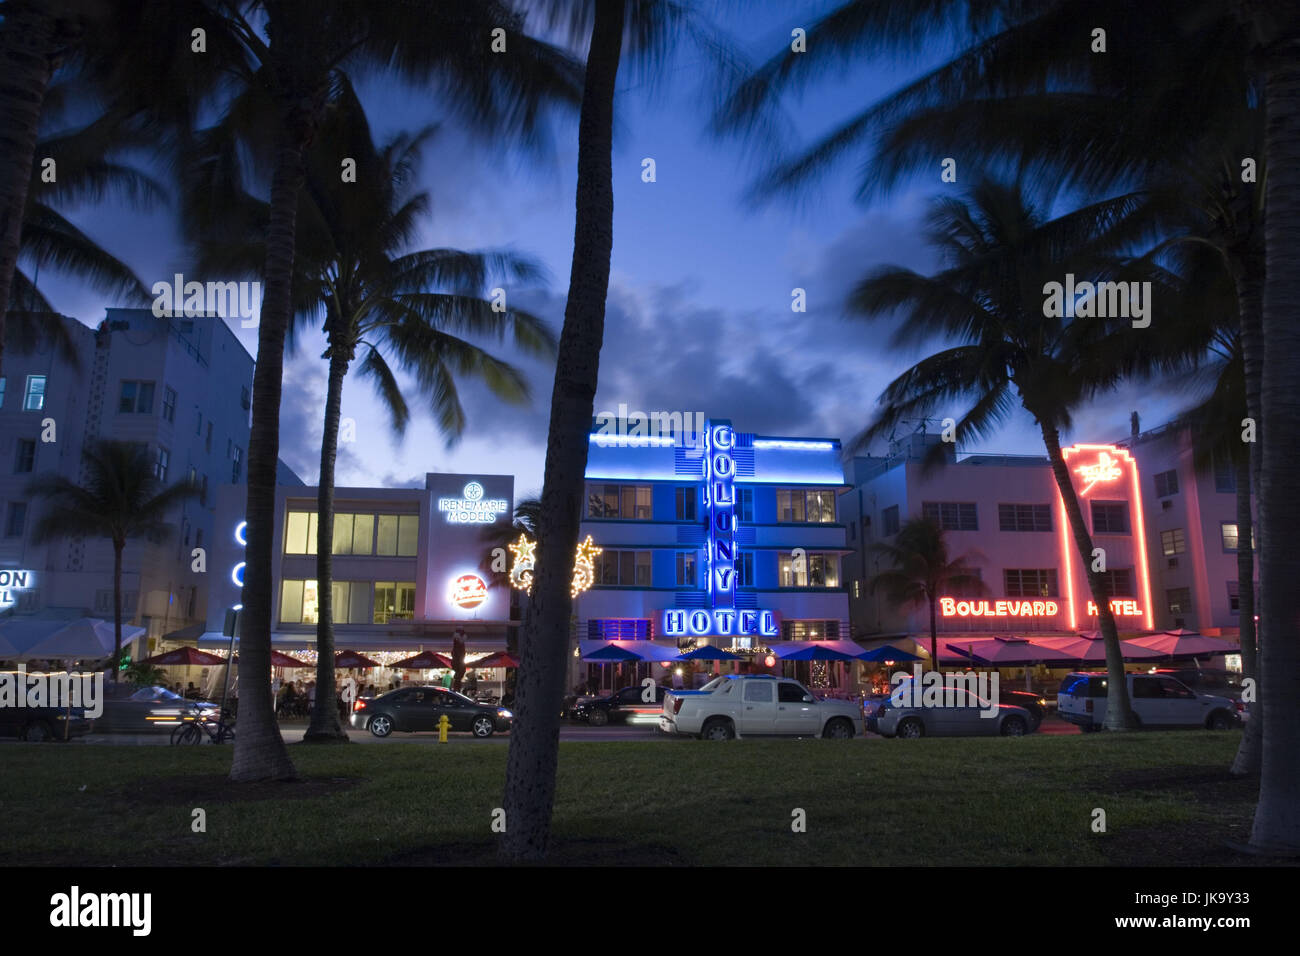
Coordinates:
1158 700
130 708
628 705
42 723
415 709
754 705
1206 680
1036 704
960 714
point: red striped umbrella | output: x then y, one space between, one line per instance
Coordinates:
422 661
184 657
499 659
351 660
280 659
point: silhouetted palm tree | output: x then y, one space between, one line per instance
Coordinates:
923 570
122 499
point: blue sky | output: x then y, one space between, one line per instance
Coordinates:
699 314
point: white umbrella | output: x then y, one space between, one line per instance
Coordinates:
82 639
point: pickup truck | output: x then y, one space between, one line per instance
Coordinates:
755 705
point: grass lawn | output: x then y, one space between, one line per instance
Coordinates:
1168 801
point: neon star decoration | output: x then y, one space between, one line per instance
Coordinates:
525 551
1104 469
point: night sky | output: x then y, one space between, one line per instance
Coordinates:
699 314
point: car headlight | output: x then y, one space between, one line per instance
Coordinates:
502 712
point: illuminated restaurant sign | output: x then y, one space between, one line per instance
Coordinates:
467 591
472 508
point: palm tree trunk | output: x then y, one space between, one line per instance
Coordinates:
934 634
260 753
1119 712
26 45
1248 275
534 742
1277 816
118 547
325 726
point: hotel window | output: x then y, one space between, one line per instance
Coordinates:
857 589
805 506
353 534
1228 529
300 602
1030 582
34 399
136 398
394 601
625 568
1173 541
889 520
160 463
951 515
1234 598
1179 600
25 459
686 503
207 442
198 538
619 501
745 569
203 491
238 464
2 391
744 503
1167 483
169 404
810 571
1109 517
686 569
1118 582
16 519
1024 517
198 422
300 532
397 535
1225 473
810 630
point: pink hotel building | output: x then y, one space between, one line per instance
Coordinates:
1169 534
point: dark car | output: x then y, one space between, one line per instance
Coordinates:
1036 704
1206 680
132 709
42 723
415 709
628 705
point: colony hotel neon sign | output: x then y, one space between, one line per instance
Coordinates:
720 559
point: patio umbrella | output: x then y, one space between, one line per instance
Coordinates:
606 652
708 653
1089 647
6 648
1003 651
811 651
86 638
423 661
1181 643
496 659
351 660
888 653
184 657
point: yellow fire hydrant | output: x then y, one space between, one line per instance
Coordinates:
443 726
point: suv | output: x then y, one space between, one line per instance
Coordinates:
756 705
1158 701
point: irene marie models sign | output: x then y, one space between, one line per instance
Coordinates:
472 507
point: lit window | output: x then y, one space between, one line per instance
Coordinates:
394 601
34 398
1175 542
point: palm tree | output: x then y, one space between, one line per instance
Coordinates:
307 49
121 500
408 308
497 538
1000 254
922 570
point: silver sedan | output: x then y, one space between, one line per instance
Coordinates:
961 714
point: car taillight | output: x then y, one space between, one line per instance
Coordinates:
359 705
1241 708
677 706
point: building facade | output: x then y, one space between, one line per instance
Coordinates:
718 537
411 566
1166 533
181 387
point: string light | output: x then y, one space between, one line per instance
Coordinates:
525 550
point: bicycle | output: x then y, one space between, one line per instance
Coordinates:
196 724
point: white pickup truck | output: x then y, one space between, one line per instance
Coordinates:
754 705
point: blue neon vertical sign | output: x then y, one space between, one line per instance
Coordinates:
720 496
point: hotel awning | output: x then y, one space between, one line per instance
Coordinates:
817 650
615 652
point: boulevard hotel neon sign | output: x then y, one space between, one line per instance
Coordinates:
723 618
